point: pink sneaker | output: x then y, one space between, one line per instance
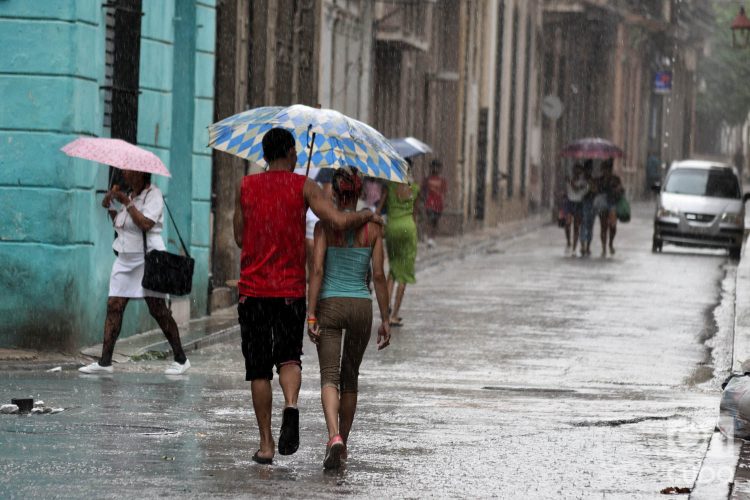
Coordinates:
334 450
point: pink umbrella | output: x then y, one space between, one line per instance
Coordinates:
591 148
117 153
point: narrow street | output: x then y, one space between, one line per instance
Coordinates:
519 373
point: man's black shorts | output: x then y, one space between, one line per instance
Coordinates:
272 331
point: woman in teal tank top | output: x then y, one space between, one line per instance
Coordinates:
339 300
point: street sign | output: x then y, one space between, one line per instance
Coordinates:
663 82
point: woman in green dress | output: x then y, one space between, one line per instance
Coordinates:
399 201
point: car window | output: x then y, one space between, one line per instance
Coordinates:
715 182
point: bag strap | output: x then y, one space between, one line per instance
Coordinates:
184 248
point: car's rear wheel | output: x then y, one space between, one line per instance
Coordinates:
735 253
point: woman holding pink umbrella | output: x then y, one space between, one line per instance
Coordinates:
140 216
138 224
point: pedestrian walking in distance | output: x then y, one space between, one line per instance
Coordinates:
587 209
141 216
269 227
577 188
435 187
401 241
610 190
339 300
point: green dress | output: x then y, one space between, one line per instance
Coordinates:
401 234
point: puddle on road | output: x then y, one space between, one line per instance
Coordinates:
624 421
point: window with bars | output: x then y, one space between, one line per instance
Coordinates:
109 60
121 71
121 65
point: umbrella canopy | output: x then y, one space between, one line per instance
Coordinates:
591 148
410 146
117 153
337 140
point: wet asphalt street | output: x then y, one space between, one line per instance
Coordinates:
519 373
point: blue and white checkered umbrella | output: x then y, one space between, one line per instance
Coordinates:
337 140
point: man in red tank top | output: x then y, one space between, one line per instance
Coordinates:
269 227
434 188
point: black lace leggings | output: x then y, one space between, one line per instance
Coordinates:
159 311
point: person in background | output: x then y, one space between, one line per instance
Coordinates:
739 161
434 188
577 188
401 241
139 222
611 189
372 191
338 299
269 227
323 177
653 170
587 211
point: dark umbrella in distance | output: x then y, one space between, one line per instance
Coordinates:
409 147
591 148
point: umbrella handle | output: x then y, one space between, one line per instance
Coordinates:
309 156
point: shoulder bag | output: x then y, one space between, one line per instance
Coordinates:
167 272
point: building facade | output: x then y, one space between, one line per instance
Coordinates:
463 75
141 71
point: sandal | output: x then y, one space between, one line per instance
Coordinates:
261 460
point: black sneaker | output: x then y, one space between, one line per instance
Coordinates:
289 436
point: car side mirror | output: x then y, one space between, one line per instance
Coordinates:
745 197
656 187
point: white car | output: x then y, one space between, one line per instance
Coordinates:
700 205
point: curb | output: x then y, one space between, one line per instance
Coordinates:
27 366
741 358
741 346
197 344
732 454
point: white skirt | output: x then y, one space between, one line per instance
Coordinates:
126 277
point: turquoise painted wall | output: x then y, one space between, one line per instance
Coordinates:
55 239
203 100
